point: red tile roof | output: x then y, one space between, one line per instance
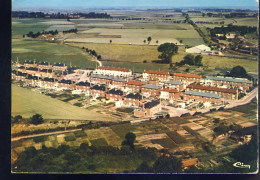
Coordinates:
209 88
170 90
156 72
137 83
113 69
187 75
189 162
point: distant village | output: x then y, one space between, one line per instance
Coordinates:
145 92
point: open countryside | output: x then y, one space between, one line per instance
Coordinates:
134 91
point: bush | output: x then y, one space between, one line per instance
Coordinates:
70 138
37 119
39 139
80 134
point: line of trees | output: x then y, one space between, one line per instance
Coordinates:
93 52
70 31
35 35
191 60
242 30
25 14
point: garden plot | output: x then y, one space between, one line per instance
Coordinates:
151 137
94 133
193 126
206 133
151 145
248 124
111 137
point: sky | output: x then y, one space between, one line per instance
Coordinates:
131 3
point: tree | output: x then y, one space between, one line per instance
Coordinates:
37 119
189 59
17 119
238 71
198 60
166 164
180 41
143 168
99 57
167 51
157 42
110 41
144 41
149 39
129 140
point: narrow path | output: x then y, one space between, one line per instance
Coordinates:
43 134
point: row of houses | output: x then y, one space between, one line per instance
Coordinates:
142 93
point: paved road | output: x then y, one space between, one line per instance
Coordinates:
246 99
43 134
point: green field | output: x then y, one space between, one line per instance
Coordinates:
26 103
51 52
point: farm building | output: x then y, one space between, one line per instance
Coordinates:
200 49
150 90
201 97
148 109
156 75
224 92
112 71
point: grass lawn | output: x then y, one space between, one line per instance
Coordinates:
99 142
26 103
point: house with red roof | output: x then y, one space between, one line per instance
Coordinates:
169 94
113 71
187 79
133 86
224 92
156 75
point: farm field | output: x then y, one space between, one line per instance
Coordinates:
122 56
52 52
26 103
135 36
